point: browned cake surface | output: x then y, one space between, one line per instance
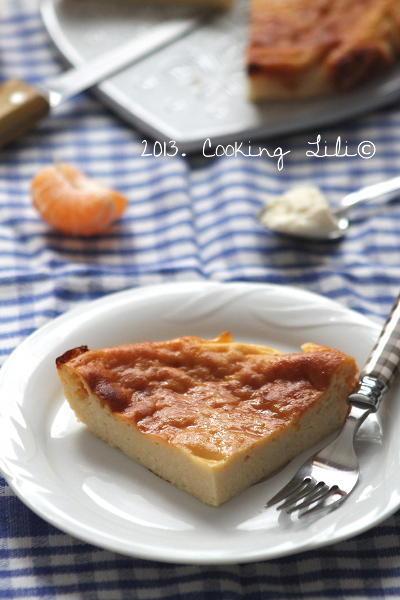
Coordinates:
303 47
212 398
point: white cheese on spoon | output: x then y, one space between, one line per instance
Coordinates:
302 211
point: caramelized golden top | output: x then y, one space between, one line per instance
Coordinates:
348 38
212 397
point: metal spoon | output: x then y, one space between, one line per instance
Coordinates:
340 214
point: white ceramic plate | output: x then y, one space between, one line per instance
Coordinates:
203 75
84 487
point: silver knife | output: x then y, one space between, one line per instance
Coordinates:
22 105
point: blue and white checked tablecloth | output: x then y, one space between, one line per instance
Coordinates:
188 219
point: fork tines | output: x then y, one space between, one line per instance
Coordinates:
306 496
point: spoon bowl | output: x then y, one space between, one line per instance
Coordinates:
338 219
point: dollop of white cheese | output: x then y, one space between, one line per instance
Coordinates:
302 211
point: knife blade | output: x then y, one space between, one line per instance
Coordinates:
22 105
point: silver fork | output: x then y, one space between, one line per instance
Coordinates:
325 480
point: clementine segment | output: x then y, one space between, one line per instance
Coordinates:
73 203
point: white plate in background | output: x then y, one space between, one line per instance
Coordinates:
195 89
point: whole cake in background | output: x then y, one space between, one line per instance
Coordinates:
305 48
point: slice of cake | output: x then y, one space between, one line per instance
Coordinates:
212 417
299 49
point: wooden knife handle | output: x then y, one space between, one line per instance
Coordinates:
21 108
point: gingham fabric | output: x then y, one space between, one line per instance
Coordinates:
190 218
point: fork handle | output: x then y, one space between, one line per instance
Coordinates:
382 364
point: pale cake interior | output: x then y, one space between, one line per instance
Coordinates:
224 445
